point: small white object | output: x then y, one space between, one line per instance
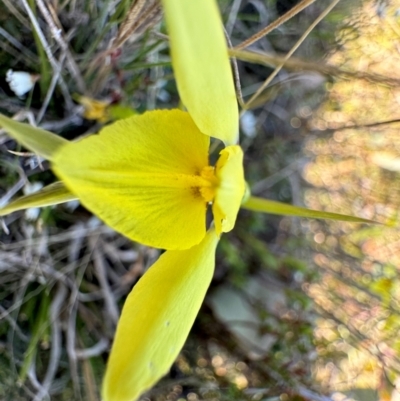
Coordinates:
32 213
21 82
248 123
72 205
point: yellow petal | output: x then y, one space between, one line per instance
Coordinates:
156 319
201 64
140 175
231 189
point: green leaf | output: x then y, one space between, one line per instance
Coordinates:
118 112
39 329
51 195
283 209
42 142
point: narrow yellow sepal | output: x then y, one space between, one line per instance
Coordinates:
42 142
52 194
156 319
201 64
231 189
272 207
141 175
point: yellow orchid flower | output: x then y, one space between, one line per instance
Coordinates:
149 178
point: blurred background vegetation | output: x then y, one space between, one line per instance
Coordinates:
298 309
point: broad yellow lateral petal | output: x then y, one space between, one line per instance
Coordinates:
140 176
156 320
201 64
231 189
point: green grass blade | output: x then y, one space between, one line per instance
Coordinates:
42 142
39 329
283 209
45 67
51 195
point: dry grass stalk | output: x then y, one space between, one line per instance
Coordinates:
278 22
296 64
57 33
137 21
251 102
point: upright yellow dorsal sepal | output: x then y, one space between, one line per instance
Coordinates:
201 64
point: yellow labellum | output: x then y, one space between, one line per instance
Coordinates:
232 187
156 319
201 65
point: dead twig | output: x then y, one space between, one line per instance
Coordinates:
50 56
100 271
278 22
328 9
56 346
57 34
296 64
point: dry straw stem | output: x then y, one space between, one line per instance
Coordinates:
251 102
101 274
295 64
15 53
49 94
232 16
50 56
57 305
138 19
16 13
236 74
278 22
24 51
372 125
56 31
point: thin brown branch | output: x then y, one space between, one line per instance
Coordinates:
100 271
371 125
278 22
128 26
57 33
296 64
236 75
290 53
50 56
